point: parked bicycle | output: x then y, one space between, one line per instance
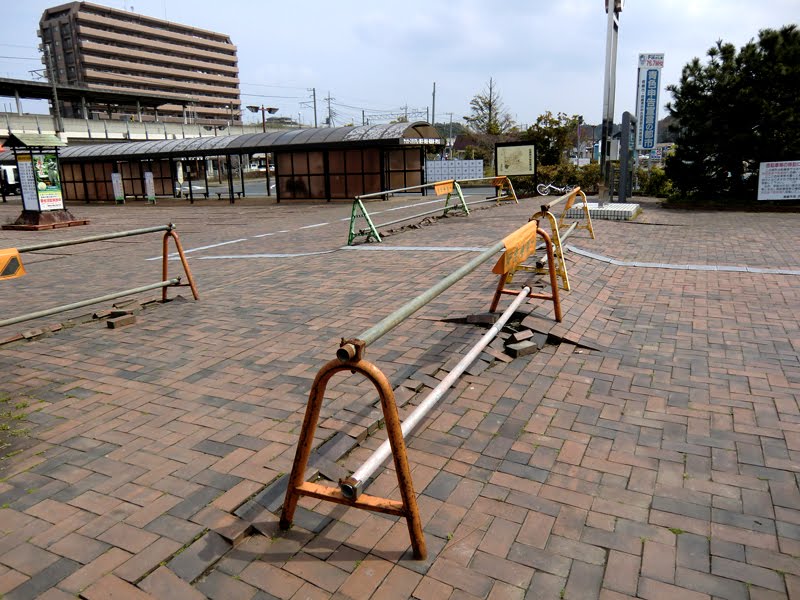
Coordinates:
545 189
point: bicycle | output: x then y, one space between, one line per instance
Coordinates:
546 189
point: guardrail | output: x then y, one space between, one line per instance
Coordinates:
449 186
370 231
169 232
503 185
350 357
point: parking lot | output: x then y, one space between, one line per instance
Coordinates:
650 450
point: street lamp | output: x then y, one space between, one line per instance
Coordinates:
264 110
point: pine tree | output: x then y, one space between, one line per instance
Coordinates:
736 111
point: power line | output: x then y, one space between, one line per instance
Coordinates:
265 96
287 87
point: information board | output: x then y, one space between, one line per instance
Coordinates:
779 180
515 158
647 93
27 182
48 182
149 188
119 190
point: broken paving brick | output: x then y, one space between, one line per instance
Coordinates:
522 349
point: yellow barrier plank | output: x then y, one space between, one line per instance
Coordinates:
443 187
10 264
519 246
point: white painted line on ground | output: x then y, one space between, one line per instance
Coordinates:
312 226
681 267
173 254
418 248
233 256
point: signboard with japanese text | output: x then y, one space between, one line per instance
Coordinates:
27 182
647 96
119 190
779 180
149 188
515 158
48 182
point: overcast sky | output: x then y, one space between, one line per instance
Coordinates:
380 56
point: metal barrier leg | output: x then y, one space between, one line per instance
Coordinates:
165 263
299 487
498 292
174 235
561 265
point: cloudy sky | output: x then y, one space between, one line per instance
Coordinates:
381 56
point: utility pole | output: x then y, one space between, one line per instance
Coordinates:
613 8
330 113
491 106
433 106
363 117
449 137
51 75
314 96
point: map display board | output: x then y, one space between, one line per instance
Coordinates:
515 158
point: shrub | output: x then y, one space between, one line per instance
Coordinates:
654 182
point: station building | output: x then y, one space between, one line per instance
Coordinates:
331 163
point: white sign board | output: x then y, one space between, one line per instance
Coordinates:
647 94
149 188
119 190
27 182
779 180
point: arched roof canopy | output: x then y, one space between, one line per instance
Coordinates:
392 134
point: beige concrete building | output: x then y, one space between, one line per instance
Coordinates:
105 48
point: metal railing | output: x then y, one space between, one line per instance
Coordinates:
447 186
350 358
166 281
370 231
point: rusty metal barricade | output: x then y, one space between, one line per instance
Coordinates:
166 282
501 183
350 357
556 236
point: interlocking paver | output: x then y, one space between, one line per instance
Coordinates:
670 452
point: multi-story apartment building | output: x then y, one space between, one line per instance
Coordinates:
105 48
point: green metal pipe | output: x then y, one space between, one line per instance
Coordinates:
82 303
405 189
348 351
409 217
96 238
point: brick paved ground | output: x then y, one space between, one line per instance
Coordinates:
661 464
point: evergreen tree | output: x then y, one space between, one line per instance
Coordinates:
736 111
553 136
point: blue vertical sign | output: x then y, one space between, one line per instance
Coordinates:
647 94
